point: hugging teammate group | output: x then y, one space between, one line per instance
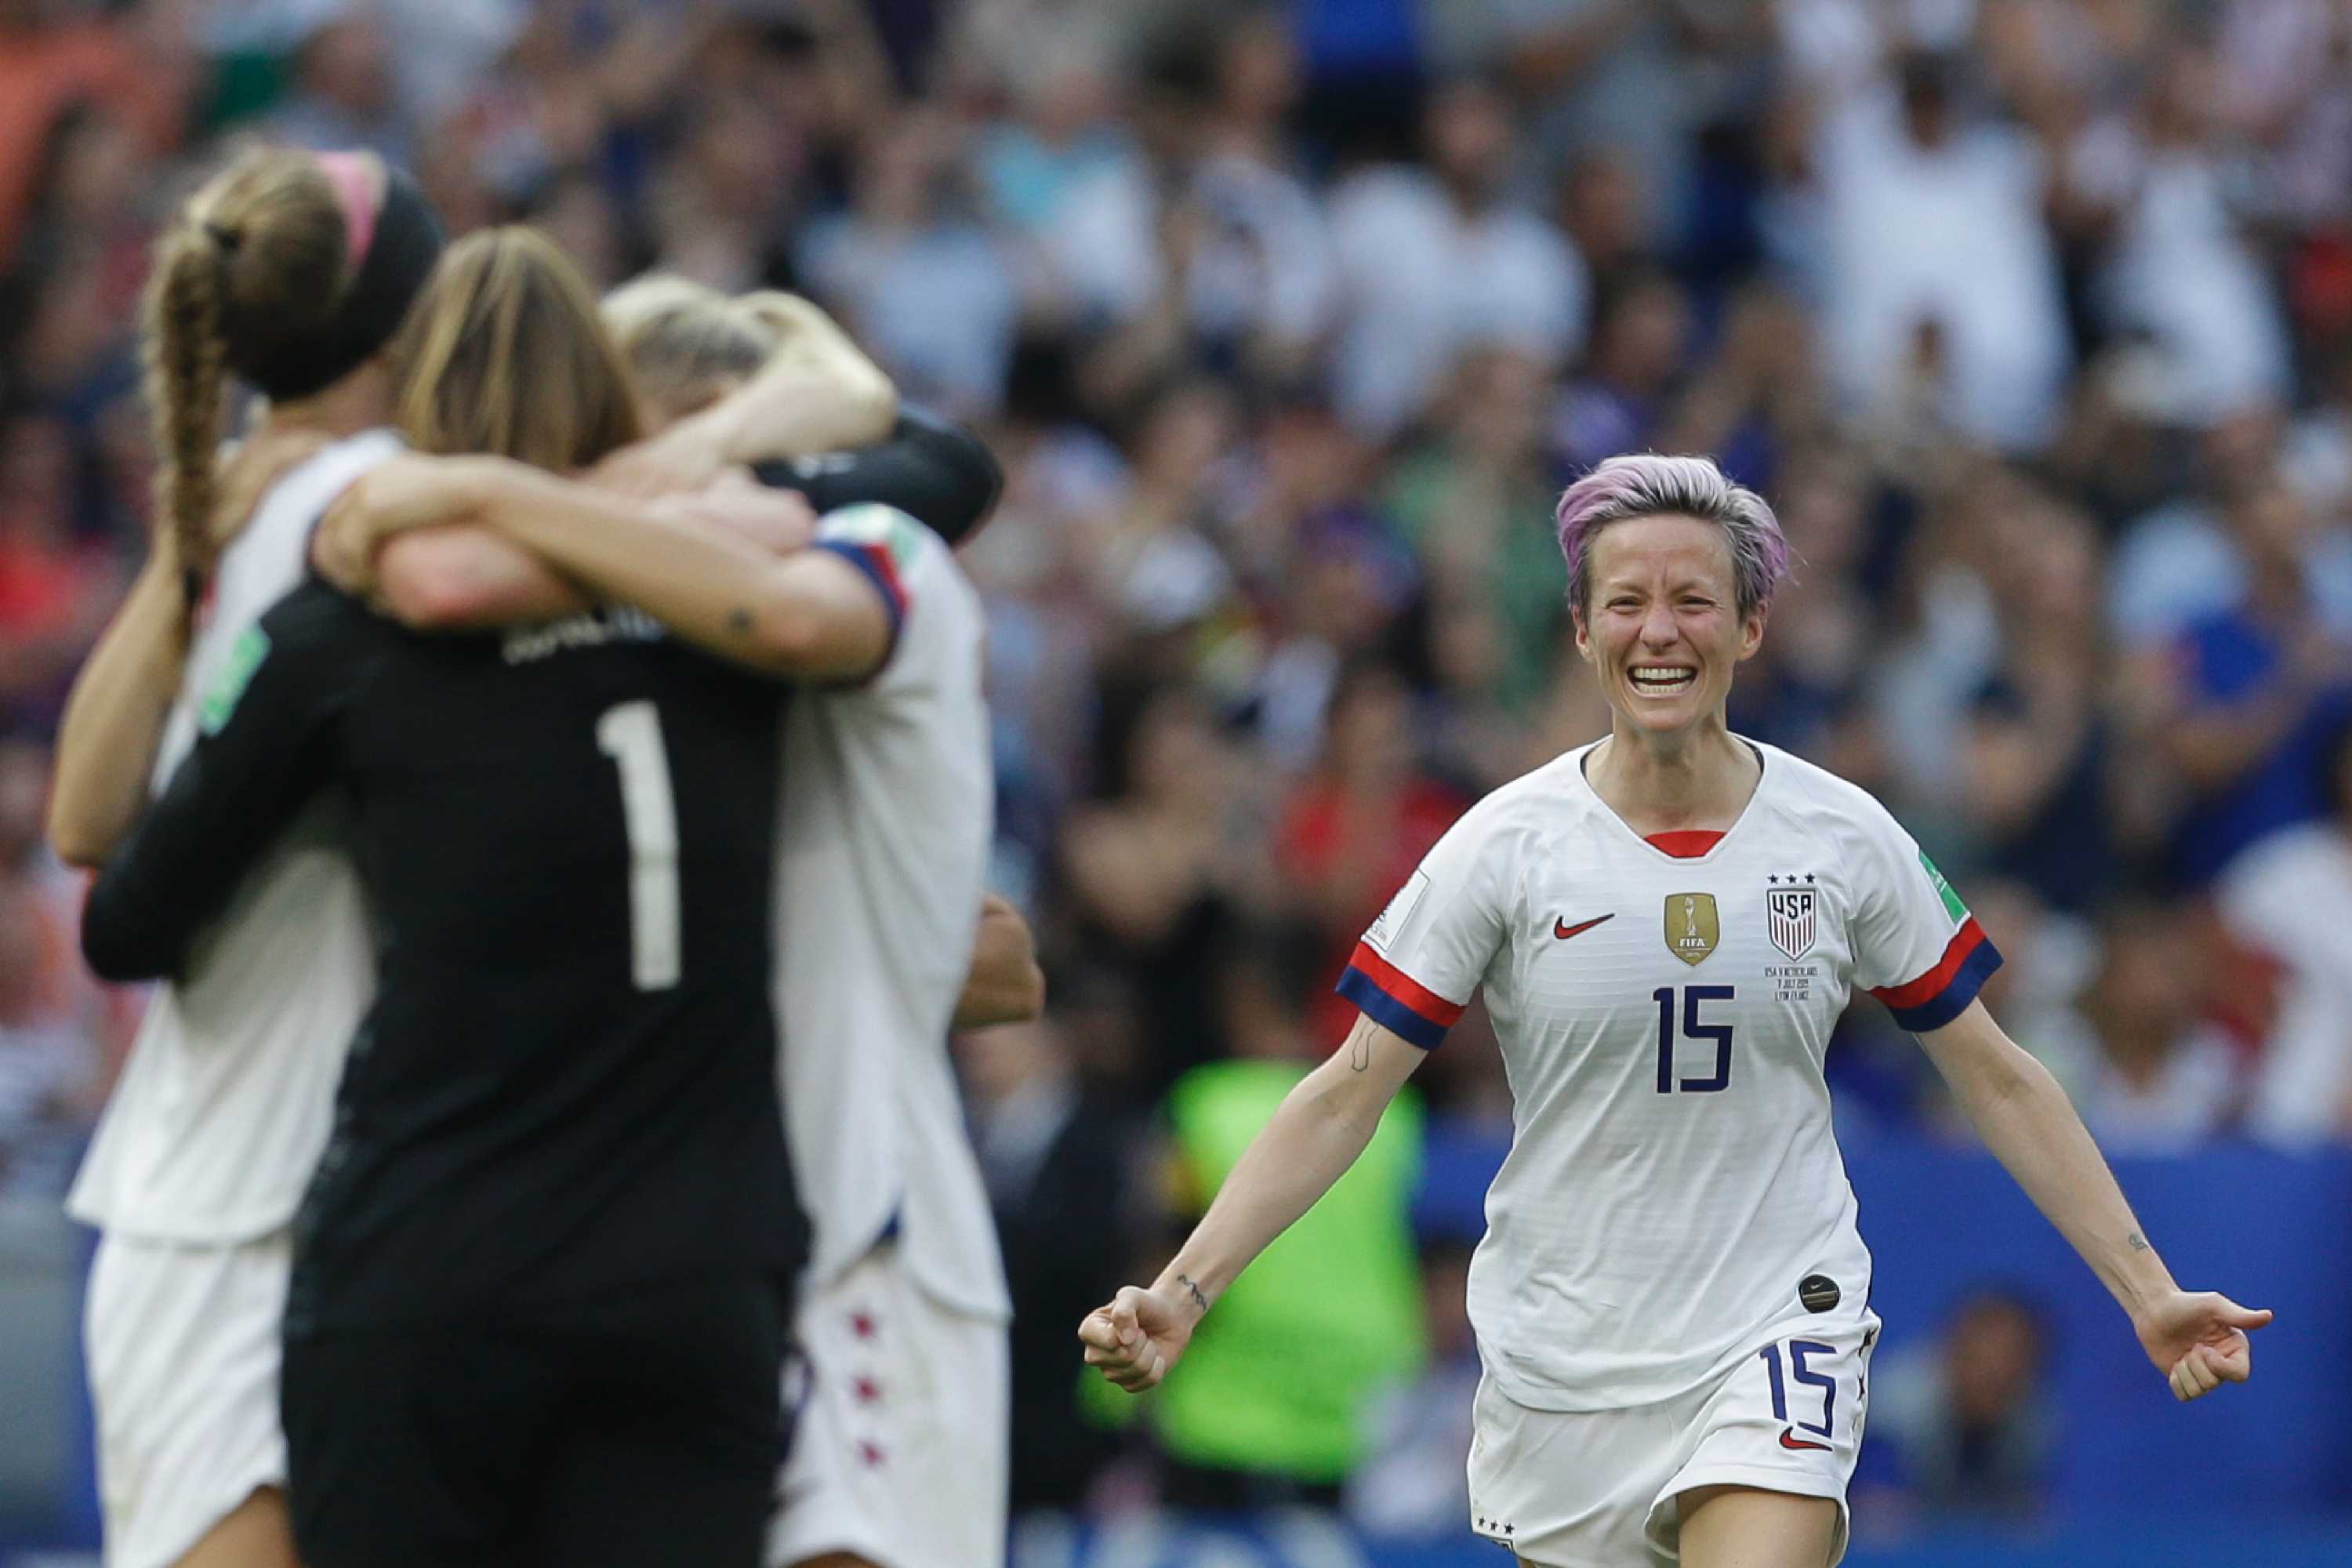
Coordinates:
563 887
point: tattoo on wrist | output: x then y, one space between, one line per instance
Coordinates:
738 621
1199 1298
2138 1243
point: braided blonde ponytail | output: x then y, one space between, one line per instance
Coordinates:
254 260
186 362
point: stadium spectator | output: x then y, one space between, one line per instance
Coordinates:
2040 748
1414 1481
2166 1078
344 90
1640 340
1158 887
1062 173
1354 830
55 590
1969 1420
1436 261
2289 897
1058 1181
926 286
2245 700
1933 226
60 1035
1275 1403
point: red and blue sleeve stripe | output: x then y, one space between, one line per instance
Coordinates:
874 561
1395 1001
1944 993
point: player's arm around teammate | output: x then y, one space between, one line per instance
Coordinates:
1317 1132
2195 1338
768 378
816 390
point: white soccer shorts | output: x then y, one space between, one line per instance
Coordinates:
900 1453
1600 1488
183 1344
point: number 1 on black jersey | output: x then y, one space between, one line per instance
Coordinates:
630 733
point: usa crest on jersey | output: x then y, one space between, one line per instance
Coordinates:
1789 916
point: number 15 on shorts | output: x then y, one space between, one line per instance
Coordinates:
1804 1376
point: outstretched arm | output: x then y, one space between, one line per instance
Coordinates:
2197 1337
1317 1132
817 392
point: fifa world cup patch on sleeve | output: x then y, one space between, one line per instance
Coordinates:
1399 910
1952 905
245 656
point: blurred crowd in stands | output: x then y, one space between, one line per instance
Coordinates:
2033 318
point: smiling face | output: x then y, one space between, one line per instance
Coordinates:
1661 623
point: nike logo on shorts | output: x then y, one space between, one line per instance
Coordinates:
1788 1439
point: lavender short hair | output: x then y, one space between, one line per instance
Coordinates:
1646 484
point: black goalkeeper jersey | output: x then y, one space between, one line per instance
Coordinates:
567 1083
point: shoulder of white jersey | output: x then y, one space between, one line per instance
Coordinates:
1916 947
1818 800
1539 790
311 486
295 501
1542 800
1539 805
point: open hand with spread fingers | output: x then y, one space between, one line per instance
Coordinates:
1136 1338
2198 1339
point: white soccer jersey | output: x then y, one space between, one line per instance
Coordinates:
888 812
1662 1010
229 1095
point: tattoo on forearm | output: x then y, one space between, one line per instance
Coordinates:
1199 1298
738 621
2138 1243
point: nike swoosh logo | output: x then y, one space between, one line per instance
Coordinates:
1562 929
1788 1439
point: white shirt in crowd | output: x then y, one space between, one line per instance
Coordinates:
2290 896
1424 280
1954 236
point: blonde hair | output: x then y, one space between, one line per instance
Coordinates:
253 261
687 343
505 353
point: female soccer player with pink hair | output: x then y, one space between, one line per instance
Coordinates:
1672 1300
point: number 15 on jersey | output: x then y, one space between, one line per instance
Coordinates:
1694 1027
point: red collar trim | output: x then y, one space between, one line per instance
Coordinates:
1688 843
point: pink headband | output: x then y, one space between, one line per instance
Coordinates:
356 190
